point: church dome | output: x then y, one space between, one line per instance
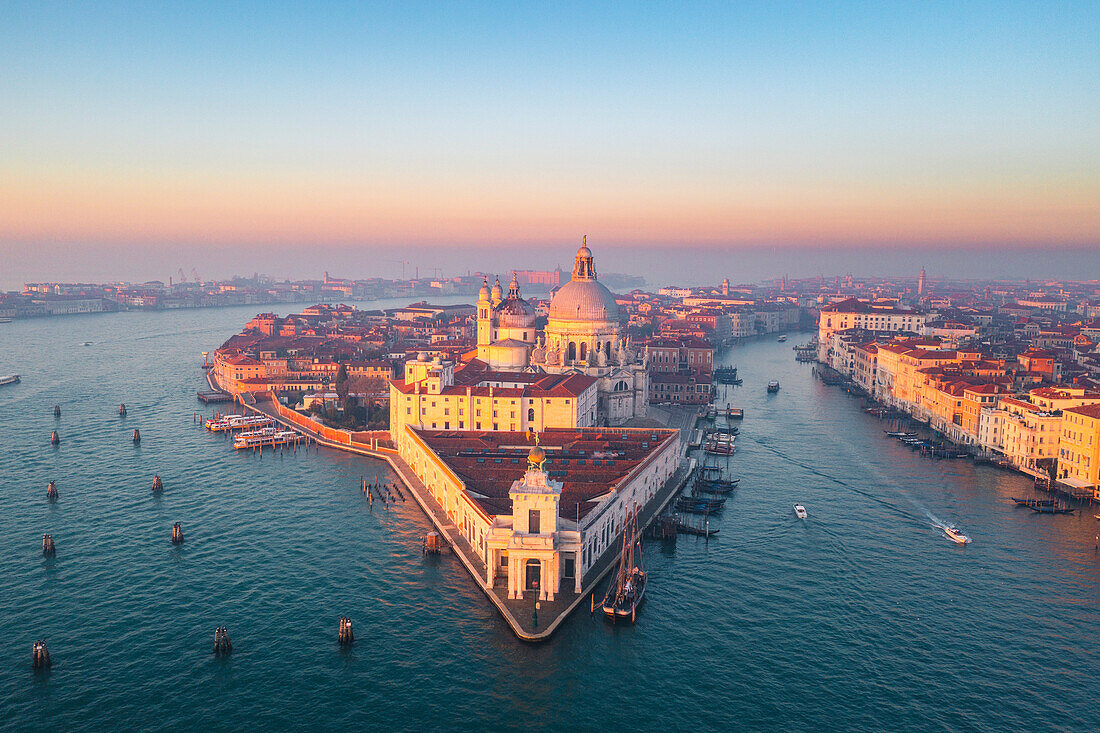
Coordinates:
584 300
515 313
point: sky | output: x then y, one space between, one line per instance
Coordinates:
139 139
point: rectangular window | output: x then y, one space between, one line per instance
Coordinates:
533 521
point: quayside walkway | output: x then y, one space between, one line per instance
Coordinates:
518 613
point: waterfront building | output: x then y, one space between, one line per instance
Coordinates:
855 313
1079 449
541 518
679 389
445 395
1032 426
688 355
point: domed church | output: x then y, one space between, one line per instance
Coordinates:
583 336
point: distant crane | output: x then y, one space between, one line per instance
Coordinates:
183 278
195 275
403 263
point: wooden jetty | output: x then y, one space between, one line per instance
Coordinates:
213 396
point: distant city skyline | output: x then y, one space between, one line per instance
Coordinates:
659 266
140 139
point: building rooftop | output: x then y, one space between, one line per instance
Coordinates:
589 462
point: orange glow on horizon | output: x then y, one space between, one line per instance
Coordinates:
243 210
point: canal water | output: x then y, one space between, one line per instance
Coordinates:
863 615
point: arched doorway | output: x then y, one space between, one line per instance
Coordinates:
584 350
533 576
571 352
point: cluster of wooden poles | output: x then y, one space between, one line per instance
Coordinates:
387 493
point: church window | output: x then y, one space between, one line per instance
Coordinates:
531 413
571 352
584 351
524 335
533 521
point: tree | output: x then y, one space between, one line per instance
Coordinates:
342 385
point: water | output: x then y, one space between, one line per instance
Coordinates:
863 615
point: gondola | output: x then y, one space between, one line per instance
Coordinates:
1033 502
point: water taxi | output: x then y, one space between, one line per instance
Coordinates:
800 511
773 386
956 536
265 437
13 379
238 422
783 338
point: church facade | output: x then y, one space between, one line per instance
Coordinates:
583 336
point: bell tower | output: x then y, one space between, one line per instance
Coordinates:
484 319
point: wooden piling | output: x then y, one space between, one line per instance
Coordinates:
136 437
55 439
346 636
40 656
177 534
158 485
57 410
51 491
122 410
48 548
222 646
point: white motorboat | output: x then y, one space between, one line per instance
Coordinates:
956 536
800 511
782 338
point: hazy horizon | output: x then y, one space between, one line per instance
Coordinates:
658 265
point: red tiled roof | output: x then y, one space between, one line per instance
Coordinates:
1086 410
589 462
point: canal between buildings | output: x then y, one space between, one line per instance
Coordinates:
863 615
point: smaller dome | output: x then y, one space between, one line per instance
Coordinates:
498 292
515 313
537 456
483 294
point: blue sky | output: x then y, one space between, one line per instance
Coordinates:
170 126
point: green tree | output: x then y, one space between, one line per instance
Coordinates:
342 385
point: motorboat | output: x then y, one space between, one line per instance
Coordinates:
782 338
13 379
800 511
773 386
956 536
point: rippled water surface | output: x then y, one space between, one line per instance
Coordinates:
863 615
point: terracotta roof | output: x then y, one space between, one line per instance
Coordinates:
1086 410
588 461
